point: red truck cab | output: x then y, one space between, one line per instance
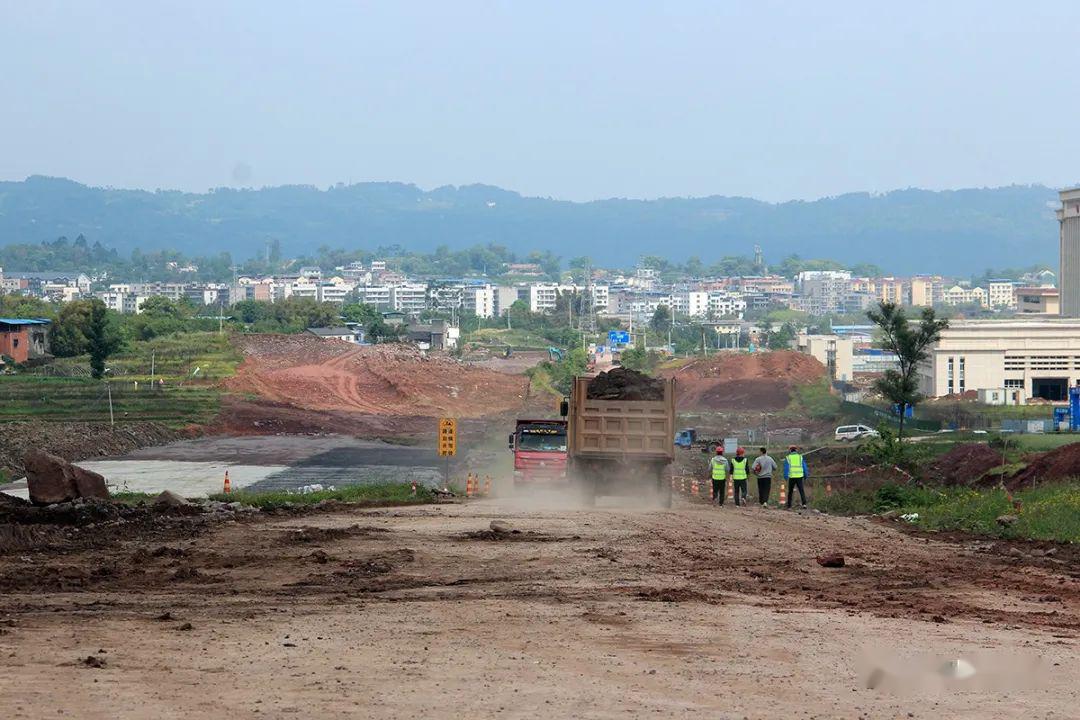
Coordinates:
539 451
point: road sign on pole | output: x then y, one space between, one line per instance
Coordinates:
447 437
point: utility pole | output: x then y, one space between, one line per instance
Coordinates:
112 418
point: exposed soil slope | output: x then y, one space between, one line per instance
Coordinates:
330 375
744 381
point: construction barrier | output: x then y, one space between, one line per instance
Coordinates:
228 486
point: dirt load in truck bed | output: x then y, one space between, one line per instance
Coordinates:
625 384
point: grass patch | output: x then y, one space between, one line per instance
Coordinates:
815 400
131 498
1047 512
373 493
191 366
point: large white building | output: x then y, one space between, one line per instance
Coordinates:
479 300
1069 272
1034 358
540 296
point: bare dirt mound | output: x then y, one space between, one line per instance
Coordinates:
965 464
1059 464
329 375
744 381
77 440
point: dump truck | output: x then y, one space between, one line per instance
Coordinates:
539 448
620 439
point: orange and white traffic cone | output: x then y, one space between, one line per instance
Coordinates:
731 490
487 485
414 488
228 486
694 487
828 488
470 489
783 492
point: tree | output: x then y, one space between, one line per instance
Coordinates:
101 340
661 320
782 338
909 343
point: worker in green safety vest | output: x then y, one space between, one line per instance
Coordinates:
718 469
795 472
739 474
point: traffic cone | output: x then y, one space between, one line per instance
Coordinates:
487 485
783 492
731 490
694 487
470 489
828 487
228 486
414 488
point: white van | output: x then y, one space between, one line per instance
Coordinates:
847 433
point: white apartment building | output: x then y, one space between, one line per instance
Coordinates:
692 303
479 300
957 295
726 304
1001 294
540 296
1035 358
826 289
122 302
409 298
375 295
334 291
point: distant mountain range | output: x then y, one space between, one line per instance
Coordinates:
904 231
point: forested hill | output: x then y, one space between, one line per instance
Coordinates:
904 231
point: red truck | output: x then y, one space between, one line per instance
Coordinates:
539 451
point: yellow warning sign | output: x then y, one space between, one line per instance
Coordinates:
447 437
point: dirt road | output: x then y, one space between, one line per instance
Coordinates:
422 612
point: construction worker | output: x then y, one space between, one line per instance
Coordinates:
795 472
764 467
718 467
739 474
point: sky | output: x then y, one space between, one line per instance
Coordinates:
571 100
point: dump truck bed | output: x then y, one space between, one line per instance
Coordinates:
621 429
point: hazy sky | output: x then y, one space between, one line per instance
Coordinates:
574 100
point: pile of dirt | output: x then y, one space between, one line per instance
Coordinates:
745 381
393 379
1059 464
625 384
77 440
965 464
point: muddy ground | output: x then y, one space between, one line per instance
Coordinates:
611 612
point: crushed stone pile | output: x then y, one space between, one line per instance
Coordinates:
625 384
745 381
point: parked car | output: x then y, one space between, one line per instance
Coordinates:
850 433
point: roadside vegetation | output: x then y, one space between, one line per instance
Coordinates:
1046 512
376 493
